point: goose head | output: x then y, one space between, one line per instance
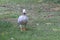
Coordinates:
24 11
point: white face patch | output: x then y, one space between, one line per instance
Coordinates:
24 11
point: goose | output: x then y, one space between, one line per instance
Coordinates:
23 20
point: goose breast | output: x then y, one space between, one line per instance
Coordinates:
23 19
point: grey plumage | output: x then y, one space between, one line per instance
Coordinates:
23 19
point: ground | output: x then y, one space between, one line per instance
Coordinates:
44 20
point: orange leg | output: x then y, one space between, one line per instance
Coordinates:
22 28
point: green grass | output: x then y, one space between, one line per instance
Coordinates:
42 31
41 25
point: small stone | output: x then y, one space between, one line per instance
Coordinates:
12 38
37 24
18 5
48 23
